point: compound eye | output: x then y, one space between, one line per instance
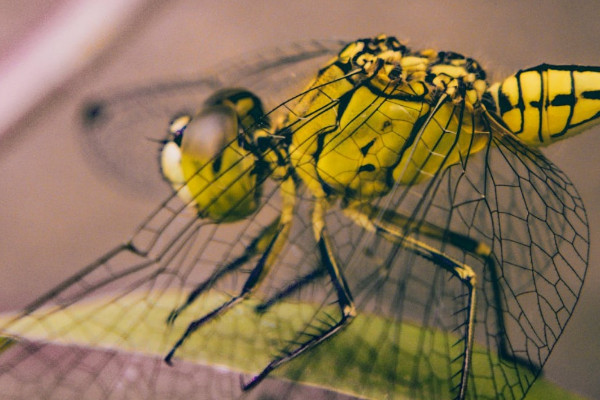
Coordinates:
210 131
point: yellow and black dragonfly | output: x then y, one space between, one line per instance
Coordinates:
388 230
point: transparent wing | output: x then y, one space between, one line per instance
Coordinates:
123 130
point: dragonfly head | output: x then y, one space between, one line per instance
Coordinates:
208 160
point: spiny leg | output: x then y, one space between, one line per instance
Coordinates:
273 247
463 242
258 246
458 240
292 288
345 301
397 234
365 214
405 225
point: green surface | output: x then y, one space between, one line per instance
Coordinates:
361 360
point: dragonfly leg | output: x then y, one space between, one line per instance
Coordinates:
463 242
258 246
345 301
292 288
466 244
389 228
273 242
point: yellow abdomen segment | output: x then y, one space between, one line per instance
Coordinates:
547 103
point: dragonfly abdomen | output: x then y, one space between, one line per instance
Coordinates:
547 103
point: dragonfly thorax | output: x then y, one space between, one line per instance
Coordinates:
380 114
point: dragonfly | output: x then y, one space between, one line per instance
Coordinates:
356 219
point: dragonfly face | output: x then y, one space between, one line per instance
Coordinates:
206 158
395 185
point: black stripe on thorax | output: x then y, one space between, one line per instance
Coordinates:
407 145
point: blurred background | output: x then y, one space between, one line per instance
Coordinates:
59 211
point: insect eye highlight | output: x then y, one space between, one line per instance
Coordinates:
177 126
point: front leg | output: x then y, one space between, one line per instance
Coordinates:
345 302
272 239
258 246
